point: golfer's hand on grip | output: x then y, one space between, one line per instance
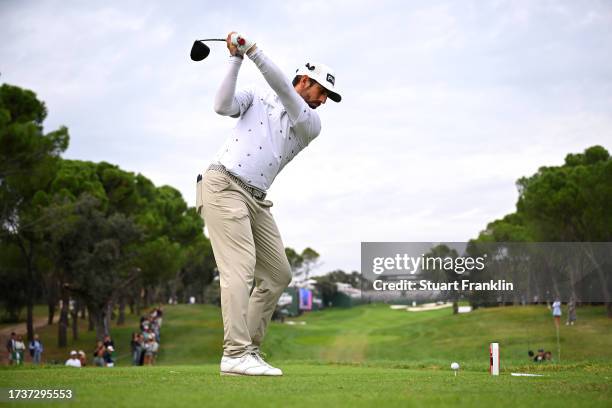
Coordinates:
237 44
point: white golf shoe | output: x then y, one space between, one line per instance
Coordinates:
248 364
276 371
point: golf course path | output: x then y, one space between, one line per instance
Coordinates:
21 328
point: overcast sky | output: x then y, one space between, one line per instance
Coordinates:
445 103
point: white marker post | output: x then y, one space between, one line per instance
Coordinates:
494 358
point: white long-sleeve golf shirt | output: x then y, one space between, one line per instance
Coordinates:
274 125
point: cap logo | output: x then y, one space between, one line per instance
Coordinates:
331 79
310 67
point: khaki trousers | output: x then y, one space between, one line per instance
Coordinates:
247 247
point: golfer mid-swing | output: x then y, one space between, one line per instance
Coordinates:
273 127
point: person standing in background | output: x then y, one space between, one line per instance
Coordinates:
136 348
109 360
36 349
10 348
556 311
19 352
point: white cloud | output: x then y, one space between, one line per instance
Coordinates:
445 104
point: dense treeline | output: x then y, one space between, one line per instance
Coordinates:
567 203
90 237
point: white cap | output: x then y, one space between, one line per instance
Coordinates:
73 353
324 75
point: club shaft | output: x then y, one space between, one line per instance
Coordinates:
213 39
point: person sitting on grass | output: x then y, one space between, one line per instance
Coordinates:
540 356
73 361
99 354
82 358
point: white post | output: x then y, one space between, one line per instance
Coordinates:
494 358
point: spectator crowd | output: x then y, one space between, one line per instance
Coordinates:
15 348
144 346
145 343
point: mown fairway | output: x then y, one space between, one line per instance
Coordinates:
365 356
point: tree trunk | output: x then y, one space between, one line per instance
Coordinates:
111 309
62 327
97 316
121 318
30 291
151 297
603 282
145 298
51 289
175 283
51 311
107 318
154 295
74 314
131 304
92 323
29 255
30 318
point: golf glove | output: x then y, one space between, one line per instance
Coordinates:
241 43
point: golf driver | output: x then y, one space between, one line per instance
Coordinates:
199 50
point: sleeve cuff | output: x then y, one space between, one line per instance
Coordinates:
252 56
235 60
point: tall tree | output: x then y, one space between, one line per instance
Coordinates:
28 160
310 261
568 203
93 257
302 263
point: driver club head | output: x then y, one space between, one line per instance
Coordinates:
199 51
